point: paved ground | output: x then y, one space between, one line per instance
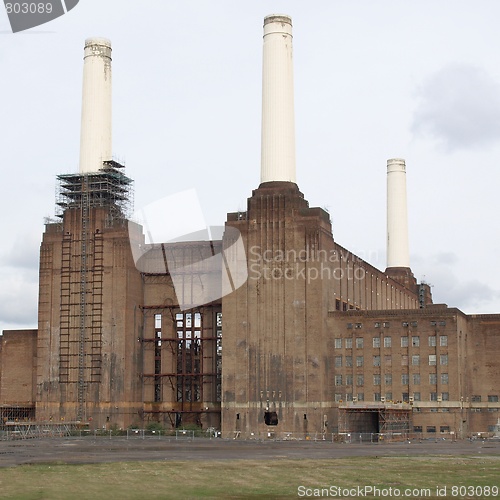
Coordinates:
117 449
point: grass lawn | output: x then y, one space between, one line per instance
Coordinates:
254 479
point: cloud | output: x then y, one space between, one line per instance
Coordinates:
459 106
470 295
18 299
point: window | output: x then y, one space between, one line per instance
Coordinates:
406 397
387 342
405 379
432 378
404 341
338 361
416 378
416 396
376 396
376 379
348 397
417 428
445 396
388 360
432 341
361 396
359 360
443 340
415 360
443 359
388 379
442 323
432 360
349 326
337 304
348 343
431 428
475 398
388 396
376 342
414 324
358 325
360 380
405 324
415 341
433 396
338 379
338 398
433 323
359 342
404 360
338 343
376 360
348 361
444 378
492 399
348 380
386 324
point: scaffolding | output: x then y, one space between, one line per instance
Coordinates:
375 418
16 413
108 188
82 269
33 430
191 380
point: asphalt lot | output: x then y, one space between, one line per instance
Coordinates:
101 450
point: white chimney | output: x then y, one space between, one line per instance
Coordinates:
278 120
95 139
397 219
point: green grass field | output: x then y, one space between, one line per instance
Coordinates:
252 479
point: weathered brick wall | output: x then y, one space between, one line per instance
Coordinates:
17 367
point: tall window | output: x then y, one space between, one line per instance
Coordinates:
415 341
387 342
432 341
404 341
443 340
376 342
338 343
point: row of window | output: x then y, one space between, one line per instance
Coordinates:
386 324
405 379
432 428
377 360
387 341
433 396
388 396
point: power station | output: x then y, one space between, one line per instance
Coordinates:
271 328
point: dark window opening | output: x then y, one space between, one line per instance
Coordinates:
237 416
305 416
271 418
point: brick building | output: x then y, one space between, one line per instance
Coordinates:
314 340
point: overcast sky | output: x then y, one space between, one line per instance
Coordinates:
373 80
